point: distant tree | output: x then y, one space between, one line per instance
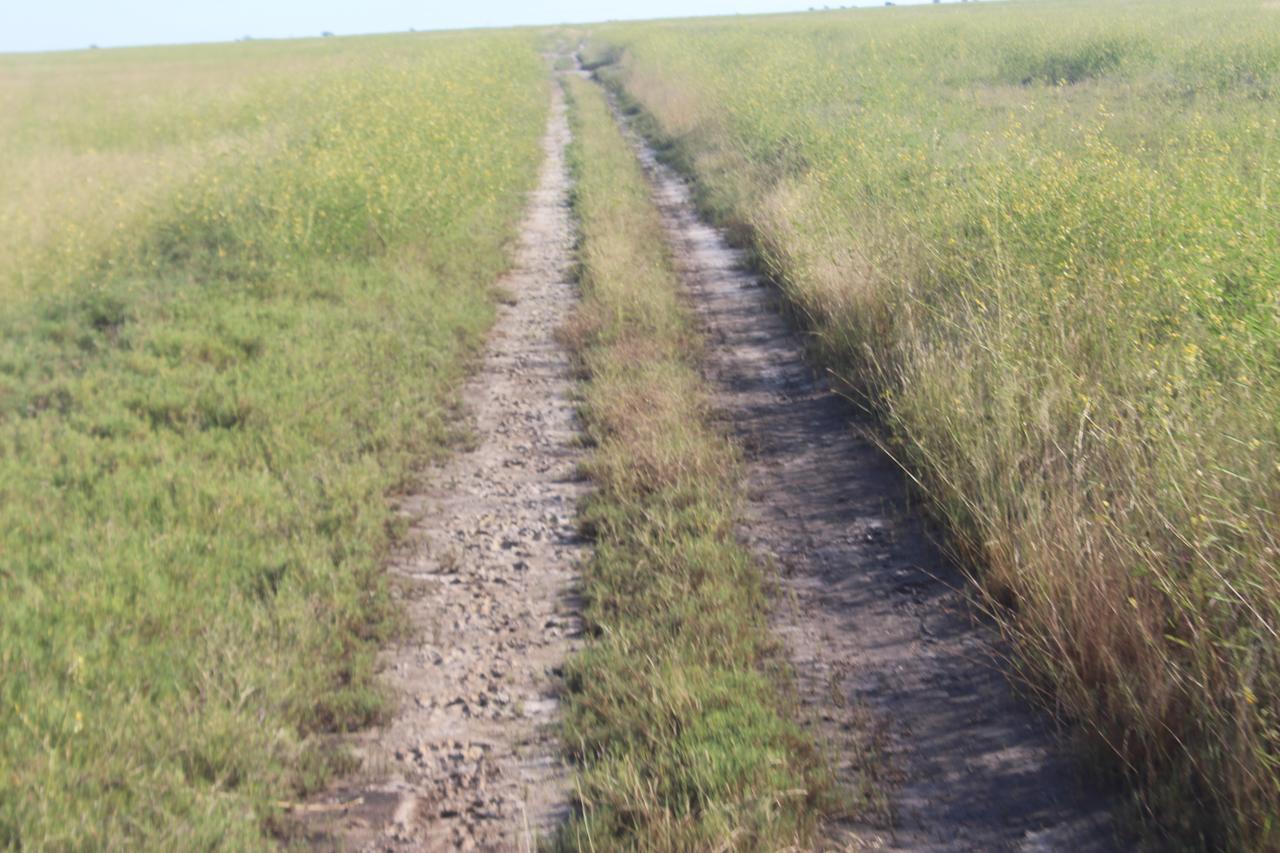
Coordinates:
326 35
93 47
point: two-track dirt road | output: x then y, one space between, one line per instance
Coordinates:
874 621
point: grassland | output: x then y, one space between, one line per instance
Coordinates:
1040 241
674 713
238 285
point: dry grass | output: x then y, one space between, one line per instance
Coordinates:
92 141
1040 239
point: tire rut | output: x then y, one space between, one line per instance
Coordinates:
887 655
471 757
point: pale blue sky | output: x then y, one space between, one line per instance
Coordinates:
61 24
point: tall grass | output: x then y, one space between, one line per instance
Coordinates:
1042 240
239 288
674 715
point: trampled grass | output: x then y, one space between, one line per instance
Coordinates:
237 285
673 714
1043 240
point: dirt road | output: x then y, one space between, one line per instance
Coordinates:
471 759
888 659
886 655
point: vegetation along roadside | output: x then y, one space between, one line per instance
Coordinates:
1041 241
209 387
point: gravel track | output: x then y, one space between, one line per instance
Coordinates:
471 758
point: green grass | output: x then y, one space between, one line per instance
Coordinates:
243 285
1041 240
674 712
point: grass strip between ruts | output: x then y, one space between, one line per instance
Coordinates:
674 713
